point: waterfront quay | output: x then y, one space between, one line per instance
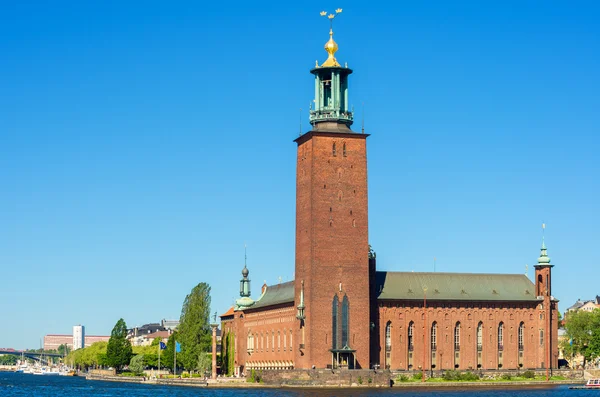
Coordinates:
16 384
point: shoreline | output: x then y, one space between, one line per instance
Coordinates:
405 385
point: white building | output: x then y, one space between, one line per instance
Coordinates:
78 337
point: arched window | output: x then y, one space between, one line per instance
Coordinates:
540 285
501 336
388 336
334 322
345 321
434 336
479 336
457 336
521 335
411 330
333 150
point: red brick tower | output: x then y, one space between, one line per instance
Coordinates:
548 310
332 264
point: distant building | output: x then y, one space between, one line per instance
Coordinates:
53 341
138 336
91 339
78 337
586 306
170 324
147 339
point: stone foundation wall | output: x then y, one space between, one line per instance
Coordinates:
491 374
326 377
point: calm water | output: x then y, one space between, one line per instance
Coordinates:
13 384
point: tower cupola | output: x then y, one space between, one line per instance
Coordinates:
330 109
544 259
244 301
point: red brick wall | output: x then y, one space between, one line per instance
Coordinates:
52 342
91 339
273 339
332 242
446 314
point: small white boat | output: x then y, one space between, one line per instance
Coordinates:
52 371
593 384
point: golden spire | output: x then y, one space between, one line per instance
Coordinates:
331 46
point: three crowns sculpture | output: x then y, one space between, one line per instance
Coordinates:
331 46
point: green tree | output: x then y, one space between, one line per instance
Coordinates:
8 359
204 363
583 335
92 356
118 351
63 349
194 326
137 365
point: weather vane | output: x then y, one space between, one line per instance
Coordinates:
331 16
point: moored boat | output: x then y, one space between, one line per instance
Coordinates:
593 384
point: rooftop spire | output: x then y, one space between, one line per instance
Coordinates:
244 301
543 259
331 46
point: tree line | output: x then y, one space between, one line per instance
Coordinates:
193 334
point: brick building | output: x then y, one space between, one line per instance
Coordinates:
340 312
53 341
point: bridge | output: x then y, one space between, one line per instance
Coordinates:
31 354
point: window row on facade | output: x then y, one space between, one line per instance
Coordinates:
269 341
458 342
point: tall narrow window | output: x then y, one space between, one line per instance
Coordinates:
344 149
345 321
334 322
388 344
333 150
521 335
541 337
388 336
501 336
479 344
457 336
411 329
434 336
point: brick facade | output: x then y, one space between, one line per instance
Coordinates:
332 243
492 353
52 342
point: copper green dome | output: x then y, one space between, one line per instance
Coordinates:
544 259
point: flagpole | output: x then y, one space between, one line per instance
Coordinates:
159 358
175 359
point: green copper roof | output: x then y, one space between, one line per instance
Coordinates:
454 286
276 295
544 259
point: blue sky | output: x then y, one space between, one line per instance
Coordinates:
142 144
